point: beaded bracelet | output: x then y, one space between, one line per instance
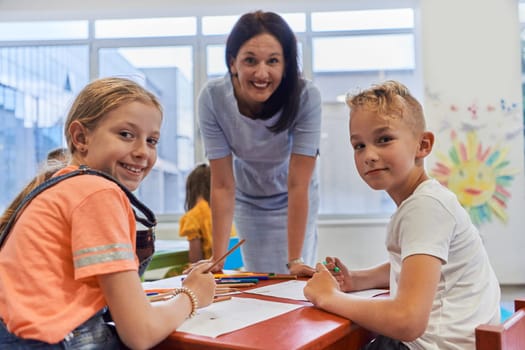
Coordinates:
191 295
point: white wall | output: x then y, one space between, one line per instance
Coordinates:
471 54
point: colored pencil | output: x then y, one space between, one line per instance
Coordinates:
235 285
260 276
224 298
218 261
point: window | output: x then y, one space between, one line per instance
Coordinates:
37 83
367 37
363 20
43 65
55 30
145 27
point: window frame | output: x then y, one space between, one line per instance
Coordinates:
200 41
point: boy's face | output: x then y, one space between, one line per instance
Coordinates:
124 143
386 152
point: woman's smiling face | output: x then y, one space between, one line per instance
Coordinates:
257 71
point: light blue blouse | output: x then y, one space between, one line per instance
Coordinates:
260 157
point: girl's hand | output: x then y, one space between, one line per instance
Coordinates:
321 286
201 283
216 269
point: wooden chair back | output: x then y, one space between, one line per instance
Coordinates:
509 335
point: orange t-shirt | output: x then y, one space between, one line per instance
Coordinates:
67 236
196 224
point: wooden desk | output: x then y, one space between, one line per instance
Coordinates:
306 328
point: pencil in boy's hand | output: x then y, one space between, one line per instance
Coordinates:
218 261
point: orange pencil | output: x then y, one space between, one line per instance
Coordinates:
224 298
218 261
157 290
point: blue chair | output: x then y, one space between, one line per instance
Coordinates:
234 260
505 313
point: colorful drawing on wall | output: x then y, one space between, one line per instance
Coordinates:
478 175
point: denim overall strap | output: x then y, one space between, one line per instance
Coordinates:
149 220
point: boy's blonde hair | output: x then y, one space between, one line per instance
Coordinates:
390 99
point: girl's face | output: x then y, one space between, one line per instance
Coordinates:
124 143
258 70
386 153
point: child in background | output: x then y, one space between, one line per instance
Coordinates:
58 154
441 282
56 159
195 224
71 253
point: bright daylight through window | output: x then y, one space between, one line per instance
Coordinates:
43 65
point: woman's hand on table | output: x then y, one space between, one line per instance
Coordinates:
301 270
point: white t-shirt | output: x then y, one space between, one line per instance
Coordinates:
431 221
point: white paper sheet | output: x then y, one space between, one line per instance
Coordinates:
166 283
290 290
294 290
230 315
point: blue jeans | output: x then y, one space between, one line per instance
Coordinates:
94 334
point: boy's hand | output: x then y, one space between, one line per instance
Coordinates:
321 286
340 272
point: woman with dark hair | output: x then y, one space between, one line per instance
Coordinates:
261 129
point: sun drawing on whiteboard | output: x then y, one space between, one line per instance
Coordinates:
478 176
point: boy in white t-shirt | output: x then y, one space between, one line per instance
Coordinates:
441 282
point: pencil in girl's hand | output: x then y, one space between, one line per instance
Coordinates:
218 261
223 298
